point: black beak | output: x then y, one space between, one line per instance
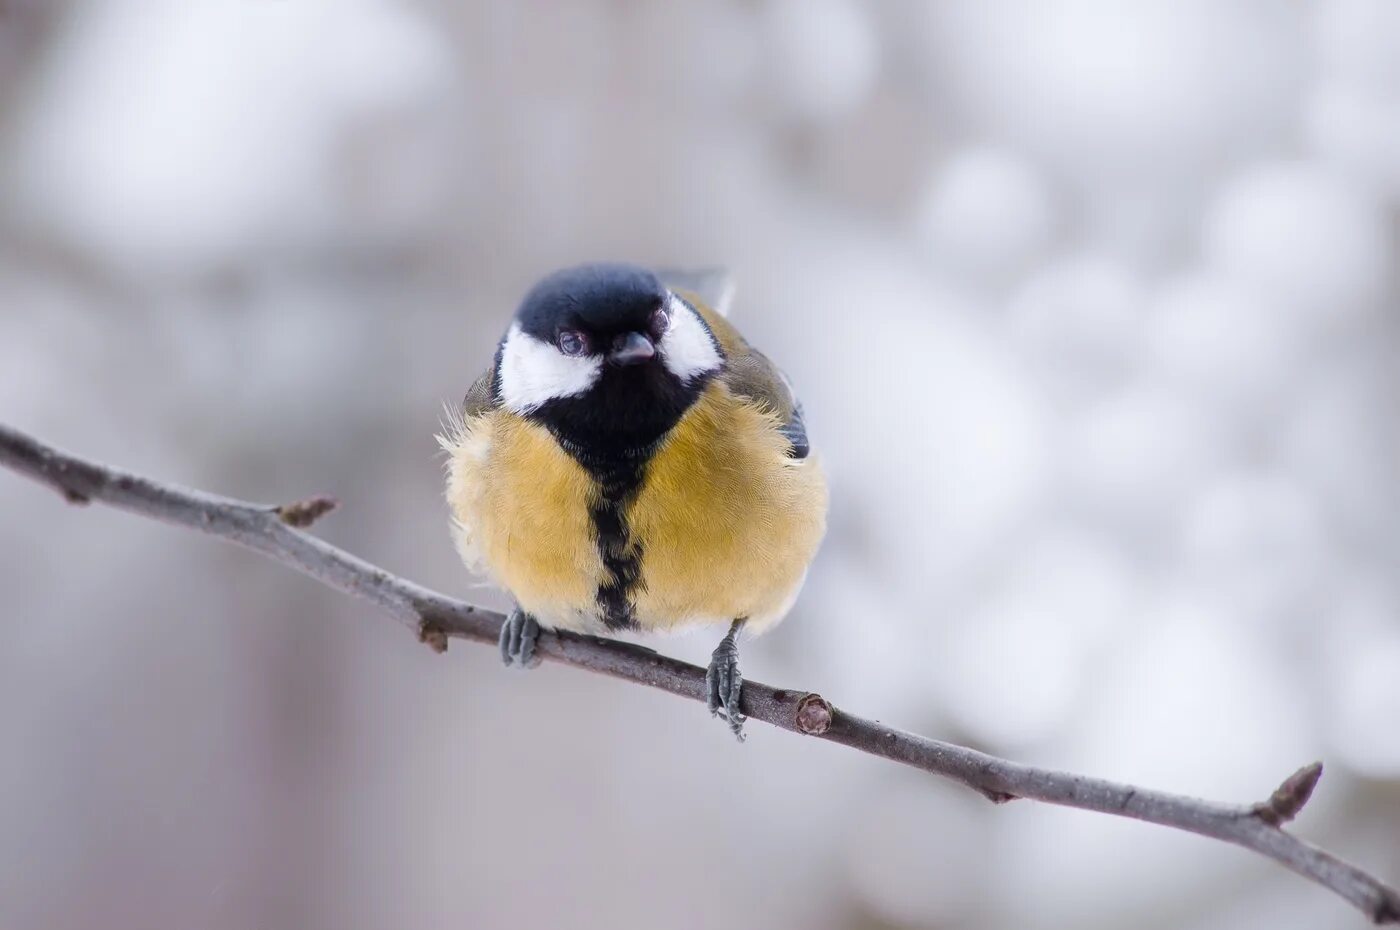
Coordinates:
631 349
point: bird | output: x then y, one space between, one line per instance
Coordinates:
630 462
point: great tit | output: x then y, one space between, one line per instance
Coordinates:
630 462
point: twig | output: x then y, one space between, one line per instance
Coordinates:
436 618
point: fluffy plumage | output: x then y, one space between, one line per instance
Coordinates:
607 492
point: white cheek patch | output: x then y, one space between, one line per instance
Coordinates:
535 372
687 348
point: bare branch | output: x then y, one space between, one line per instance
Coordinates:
437 618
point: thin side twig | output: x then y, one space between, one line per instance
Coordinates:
437 619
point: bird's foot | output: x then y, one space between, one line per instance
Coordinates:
518 635
723 683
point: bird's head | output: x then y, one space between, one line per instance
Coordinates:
605 356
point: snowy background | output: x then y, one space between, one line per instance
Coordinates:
1094 308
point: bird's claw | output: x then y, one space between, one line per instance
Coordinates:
518 636
724 683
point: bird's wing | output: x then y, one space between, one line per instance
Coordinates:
752 375
481 396
714 286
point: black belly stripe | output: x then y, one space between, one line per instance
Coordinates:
622 560
618 478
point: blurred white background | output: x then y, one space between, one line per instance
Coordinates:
1093 305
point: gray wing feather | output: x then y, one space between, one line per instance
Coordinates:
751 374
481 396
796 432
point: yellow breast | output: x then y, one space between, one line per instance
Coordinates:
726 524
520 509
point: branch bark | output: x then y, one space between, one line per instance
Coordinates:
273 531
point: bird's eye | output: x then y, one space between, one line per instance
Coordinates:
660 322
571 342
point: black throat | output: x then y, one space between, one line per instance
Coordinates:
612 431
